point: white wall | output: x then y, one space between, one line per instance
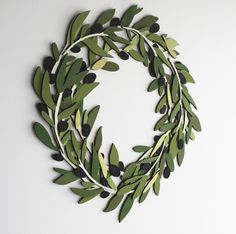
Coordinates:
198 198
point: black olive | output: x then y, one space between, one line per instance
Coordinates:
180 144
104 182
89 78
154 28
178 62
150 54
114 170
62 126
123 55
83 66
67 92
79 172
52 78
161 81
166 172
86 130
75 49
121 166
48 63
156 138
163 109
158 151
151 69
146 166
96 28
115 22
42 107
155 45
104 194
182 78
166 149
57 157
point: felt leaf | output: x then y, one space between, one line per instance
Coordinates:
186 105
65 138
46 93
37 81
158 39
103 165
174 111
146 21
180 157
83 151
195 122
95 164
111 66
47 118
126 207
160 122
136 55
180 66
188 96
43 135
67 112
150 183
140 186
66 178
98 139
92 115
55 51
61 74
93 46
187 76
77 119
129 170
170 162
143 51
143 196
162 57
84 90
129 15
153 85
175 88
156 186
113 156
76 144
105 16
173 145
141 148
127 188
160 104
86 192
99 64
158 144
113 203
111 44
76 25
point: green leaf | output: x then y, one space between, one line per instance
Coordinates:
99 64
111 66
77 119
146 21
93 46
156 186
195 122
173 145
98 139
37 81
95 164
175 88
170 162
83 151
113 156
140 187
92 115
136 55
143 196
129 15
188 96
166 127
129 170
187 76
84 90
127 188
86 192
66 113
55 51
153 86
126 207
46 93
160 104
150 183
76 25
105 16
66 178
76 144
162 57
143 51
160 122
186 105
43 135
180 157
174 111
113 203
47 118
103 165
61 74
111 44
141 148
158 39
180 66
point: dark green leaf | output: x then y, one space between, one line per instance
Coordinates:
66 178
84 90
55 51
46 93
146 21
129 15
113 203
140 187
98 139
61 74
38 81
95 164
127 188
170 162
126 207
160 122
187 76
105 16
188 96
66 113
175 88
113 156
92 115
141 148
160 104
195 122
136 55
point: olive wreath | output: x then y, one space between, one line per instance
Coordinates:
66 79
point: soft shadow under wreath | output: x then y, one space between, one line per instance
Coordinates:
66 79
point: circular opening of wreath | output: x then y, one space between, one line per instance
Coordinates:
67 78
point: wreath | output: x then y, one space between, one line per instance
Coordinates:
64 81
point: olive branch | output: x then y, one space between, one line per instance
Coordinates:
66 79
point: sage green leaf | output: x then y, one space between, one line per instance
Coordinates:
160 122
43 135
65 138
160 104
156 186
187 105
105 16
76 25
170 162
103 165
133 179
67 113
140 187
76 144
38 81
150 183
66 178
129 15
187 76
93 46
187 136
92 115
86 192
92 57
180 66
175 88
174 111
113 156
146 21
61 75
69 152
129 170
162 57
119 39
173 145
171 43
136 55
84 90
158 144
83 151
113 203
143 196
127 188
55 51
111 66
60 170
153 86
166 127
180 157
158 39
195 122
143 51
188 96
111 183
95 164
98 139
99 64
141 148
46 93
111 44
126 207
47 118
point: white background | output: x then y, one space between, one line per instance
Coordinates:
198 198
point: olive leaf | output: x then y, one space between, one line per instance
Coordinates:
113 156
99 64
146 21
111 66
113 203
92 115
141 148
153 86
55 51
105 16
126 207
66 178
98 139
84 90
129 15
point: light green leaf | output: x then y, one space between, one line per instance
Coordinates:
99 64
103 165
